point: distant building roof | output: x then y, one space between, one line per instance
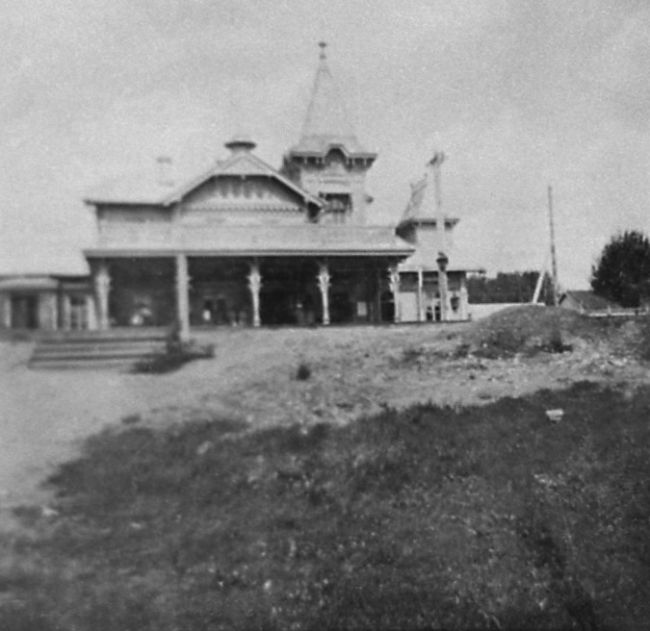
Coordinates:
587 300
327 123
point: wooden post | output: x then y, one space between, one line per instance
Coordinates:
436 165
90 315
102 289
421 316
5 310
255 285
66 320
443 288
182 297
464 298
553 257
393 285
324 286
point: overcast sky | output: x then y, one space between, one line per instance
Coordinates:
519 94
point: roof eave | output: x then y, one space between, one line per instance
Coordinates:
123 202
316 153
432 221
244 252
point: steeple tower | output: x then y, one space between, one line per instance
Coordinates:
328 159
327 120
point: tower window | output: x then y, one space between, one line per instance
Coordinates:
338 206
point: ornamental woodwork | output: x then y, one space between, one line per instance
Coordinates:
324 285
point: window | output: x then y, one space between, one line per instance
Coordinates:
338 206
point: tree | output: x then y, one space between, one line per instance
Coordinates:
507 287
622 273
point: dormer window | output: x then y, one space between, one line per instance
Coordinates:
335 157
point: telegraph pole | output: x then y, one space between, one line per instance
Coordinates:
436 163
553 256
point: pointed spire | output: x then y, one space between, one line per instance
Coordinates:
327 121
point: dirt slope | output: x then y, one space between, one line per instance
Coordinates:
355 371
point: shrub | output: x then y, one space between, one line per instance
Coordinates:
501 343
177 353
304 372
555 343
411 354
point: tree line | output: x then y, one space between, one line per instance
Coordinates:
621 274
508 287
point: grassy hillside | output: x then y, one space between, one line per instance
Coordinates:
490 517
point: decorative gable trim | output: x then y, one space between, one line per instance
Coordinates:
244 165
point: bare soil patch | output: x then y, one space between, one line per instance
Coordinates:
236 493
353 372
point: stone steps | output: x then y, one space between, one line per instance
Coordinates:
93 350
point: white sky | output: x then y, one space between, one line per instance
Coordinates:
519 94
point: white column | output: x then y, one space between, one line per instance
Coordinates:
182 297
91 316
443 288
393 285
464 298
324 286
66 309
102 289
255 285
5 310
421 316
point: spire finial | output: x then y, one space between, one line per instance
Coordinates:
322 45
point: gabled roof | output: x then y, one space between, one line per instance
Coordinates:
327 123
241 163
138 190
588 300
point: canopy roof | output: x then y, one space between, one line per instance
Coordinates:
29 283
458 262
274 240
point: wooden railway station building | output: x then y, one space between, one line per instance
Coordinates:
247 244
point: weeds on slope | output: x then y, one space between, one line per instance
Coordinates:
487 517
